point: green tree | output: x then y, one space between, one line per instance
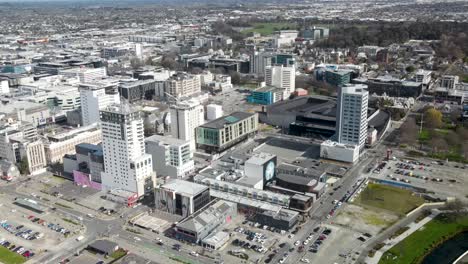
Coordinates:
23 166
410 68
235 77
136 63
433 118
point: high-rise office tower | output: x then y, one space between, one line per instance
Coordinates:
351 115
95 97
126 165
185 117
281 76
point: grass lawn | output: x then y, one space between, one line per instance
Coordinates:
266 29
118 254
390 198
424 135
415 246
8 257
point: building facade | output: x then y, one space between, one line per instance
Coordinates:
183 85
337 77
449 81
85 75
126 165
222 133
171 156
351 119
199 226
266 95
58 145
95 98
181 197
185 117
282 77
138 90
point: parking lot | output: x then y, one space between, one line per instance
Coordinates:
29 233
333 247
442 179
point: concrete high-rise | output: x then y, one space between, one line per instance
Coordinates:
95 97
183 85
185 117
282 77
351 116
126 165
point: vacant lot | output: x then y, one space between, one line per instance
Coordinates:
414 247
365 220
389 198
8 257
269 28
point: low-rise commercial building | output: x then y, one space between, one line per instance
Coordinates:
138 90
199 226
391 86
34 113
266 95
337 77
284 219
171 156
86 165
223 133
340 152
58 145
19 142
181 197
85 75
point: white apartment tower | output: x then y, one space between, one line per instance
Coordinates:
94 98
282 77
126 165
351 115
185 117
171 156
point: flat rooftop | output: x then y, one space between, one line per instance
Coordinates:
227 120
168 140
306 105
210 214
184 187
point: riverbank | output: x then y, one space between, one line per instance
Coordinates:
422 242
448 251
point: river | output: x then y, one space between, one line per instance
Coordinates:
449 251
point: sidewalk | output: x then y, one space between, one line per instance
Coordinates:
389 243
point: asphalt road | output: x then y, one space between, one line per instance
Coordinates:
96 228
318 214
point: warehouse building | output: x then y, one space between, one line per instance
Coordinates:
199 226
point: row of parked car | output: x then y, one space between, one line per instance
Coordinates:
252 236
17 249
55 227
318 242
247 245
20 231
